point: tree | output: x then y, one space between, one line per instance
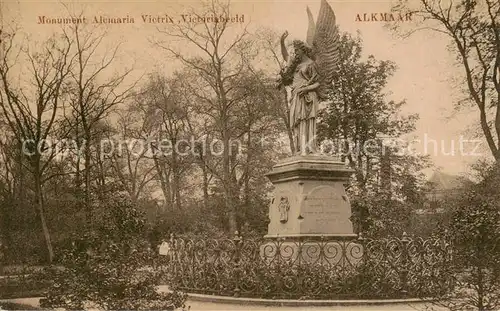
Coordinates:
358 118
365 128
134 172
166 113
222 79
30 109
94 93
216 74
473 30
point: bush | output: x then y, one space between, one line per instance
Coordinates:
379 216
111 267
474 232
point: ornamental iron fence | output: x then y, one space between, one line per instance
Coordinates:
322 268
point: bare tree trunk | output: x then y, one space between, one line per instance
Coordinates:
8 206
88 206
41 210
385 173
228 185
164 181
101 179
205 186
168 188
175 177
77 164
202 161
161 176
497 127
246 176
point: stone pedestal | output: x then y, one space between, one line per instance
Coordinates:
309 210
309 198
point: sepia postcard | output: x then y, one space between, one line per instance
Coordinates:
250 155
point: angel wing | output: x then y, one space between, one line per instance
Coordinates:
311 29
325 44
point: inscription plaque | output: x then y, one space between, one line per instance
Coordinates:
325 211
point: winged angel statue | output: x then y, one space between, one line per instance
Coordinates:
308 74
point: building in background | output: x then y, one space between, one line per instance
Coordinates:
440 185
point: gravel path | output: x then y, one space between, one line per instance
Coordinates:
209 306
205 306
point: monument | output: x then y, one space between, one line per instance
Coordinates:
309 200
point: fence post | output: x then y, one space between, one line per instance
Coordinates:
279 283
405 241
363 263
361 238
362 241
237 257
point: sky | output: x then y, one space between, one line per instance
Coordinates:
425 75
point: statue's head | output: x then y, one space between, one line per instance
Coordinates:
301 48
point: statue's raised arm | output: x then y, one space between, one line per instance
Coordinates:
284 51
